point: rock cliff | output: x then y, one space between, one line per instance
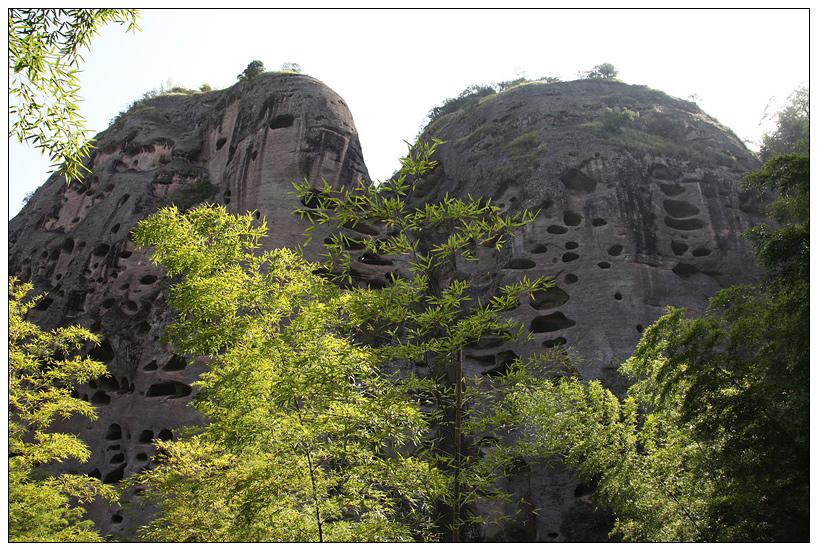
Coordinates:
639 208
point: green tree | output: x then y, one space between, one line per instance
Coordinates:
429 315
792 132
307 440
45 48
44 367
253 69
712 441
605 70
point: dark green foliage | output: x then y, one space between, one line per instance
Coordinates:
191 194
254 69
605 70
615 119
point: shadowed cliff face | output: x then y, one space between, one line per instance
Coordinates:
242 147
632 218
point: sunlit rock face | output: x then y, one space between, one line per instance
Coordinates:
243 148
633 216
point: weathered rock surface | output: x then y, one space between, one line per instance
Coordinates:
632 219
242 147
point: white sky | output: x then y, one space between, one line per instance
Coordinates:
392 66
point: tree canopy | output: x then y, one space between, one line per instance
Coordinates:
45 50
44 367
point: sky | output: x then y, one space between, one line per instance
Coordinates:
392 66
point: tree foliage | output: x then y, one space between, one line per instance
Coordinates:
45 48
253 69
792 132
712 441
44 367
306 439
429 315
604 70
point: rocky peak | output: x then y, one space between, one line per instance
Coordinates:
637 193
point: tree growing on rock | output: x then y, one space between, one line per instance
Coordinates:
253 69
604 70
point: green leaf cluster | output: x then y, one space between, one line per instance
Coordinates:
44 367
306 439
44 90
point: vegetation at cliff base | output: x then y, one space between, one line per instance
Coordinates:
43 368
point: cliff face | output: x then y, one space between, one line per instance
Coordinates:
636 212
242 147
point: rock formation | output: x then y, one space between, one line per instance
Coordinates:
636 212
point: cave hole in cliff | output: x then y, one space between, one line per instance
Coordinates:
684 270
118 458
103 352
520 264
172 389
94 473
143 327
660 172
615 250
505 359
680 209
556 230
151 366
148 279
569 257
115 228
577 183
679 248
43 305
114 432
362 227
553 343
572 218
552 322
220 143
68 245
688 224
484 360
639 328
571 245
597 222
146 437
671 189
165 434
101 250
701 251
538 248
130 307
141 456
100 398
374 260
552 297
123 200
116 518
604 265
125 254
54 254
571 278
282 121
226 197
176 363
116 475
